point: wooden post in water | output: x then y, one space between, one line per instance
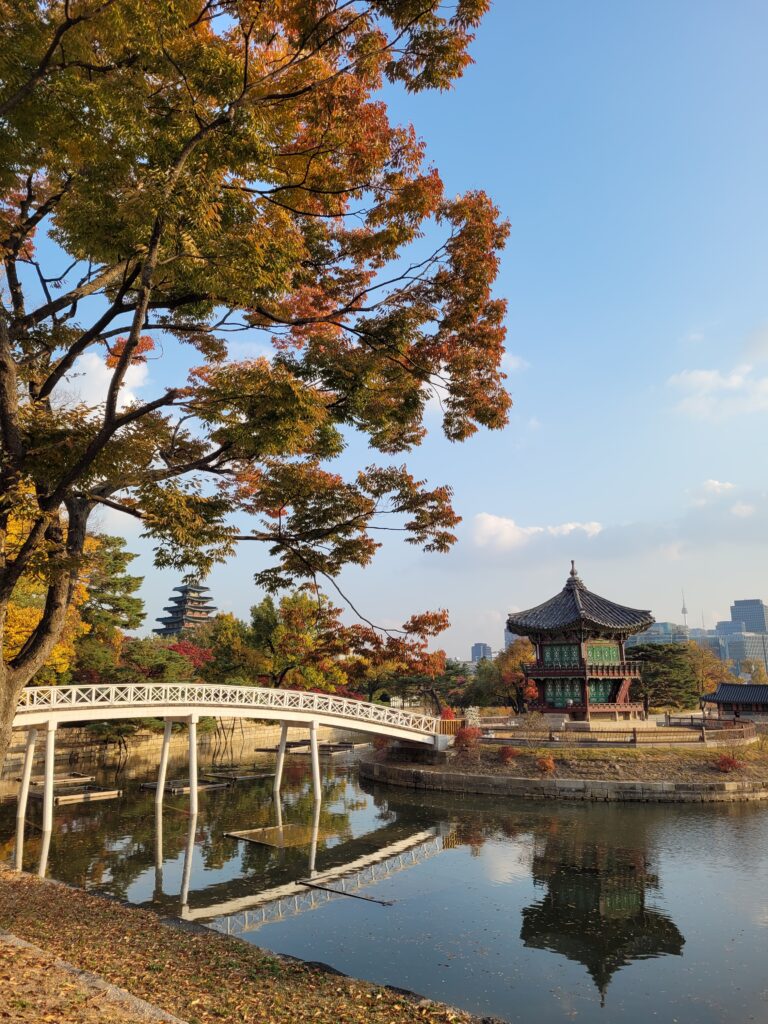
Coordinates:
50 754
21 808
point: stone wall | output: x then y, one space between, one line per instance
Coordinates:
563 789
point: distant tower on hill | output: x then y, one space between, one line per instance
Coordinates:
189 609
684 612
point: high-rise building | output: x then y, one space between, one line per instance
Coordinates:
728 626
191 608
753 613
480 651
660 633
740 647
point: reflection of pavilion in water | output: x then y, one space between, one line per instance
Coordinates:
594 911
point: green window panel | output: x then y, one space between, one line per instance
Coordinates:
561 655
603 654
558 692
600 691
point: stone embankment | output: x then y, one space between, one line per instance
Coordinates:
416 777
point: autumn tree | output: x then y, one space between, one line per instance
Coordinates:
755 669
211 169
709 669
234 658
500 681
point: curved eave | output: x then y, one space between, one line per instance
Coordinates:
583 625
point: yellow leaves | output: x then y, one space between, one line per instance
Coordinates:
21 623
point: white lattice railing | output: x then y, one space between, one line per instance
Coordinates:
216 699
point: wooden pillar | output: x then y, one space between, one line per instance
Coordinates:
586 695
21 806
193 765
50 755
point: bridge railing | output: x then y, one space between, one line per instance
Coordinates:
212 697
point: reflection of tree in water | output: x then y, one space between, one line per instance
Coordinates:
594 911
111 844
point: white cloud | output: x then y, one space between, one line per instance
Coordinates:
591 529
713 394
504 534
89 380
717 486
510 363
742 510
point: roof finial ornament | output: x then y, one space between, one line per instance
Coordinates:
573 568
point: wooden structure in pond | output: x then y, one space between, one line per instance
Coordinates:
579 638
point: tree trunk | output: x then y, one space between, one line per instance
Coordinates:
9 696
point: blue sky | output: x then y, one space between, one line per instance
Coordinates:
626 143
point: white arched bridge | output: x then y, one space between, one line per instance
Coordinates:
40 705
46 707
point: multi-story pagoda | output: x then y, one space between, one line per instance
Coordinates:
579 639
190 608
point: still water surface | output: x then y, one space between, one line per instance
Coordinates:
532 913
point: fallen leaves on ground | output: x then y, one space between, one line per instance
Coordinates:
202 978
34 990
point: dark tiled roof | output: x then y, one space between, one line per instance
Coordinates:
575 606
735 693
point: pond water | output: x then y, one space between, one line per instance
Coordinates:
522 911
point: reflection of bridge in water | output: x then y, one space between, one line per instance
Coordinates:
247 913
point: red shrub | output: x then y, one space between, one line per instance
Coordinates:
546 764
467 738
448 714
507 754
381 743
727 763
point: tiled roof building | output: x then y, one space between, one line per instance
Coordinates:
579 638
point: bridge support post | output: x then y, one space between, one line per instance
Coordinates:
50 755
315 835
163 768
279 763
188 855
315 760
193 765
45 846
21 808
